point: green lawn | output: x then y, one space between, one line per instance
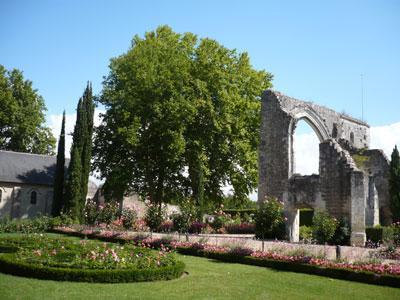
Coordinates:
207 279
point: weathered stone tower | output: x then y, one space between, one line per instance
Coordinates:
352 181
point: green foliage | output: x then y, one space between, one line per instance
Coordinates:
394 185
58 194
39 224
67 259
360 158
233 203
324 227
87 115
129 218
380 234
79 167
342 233
269 219
396 233
22 116
73 193
155 215
62 220
109 212
245 215
180 223
174 101
36 225
219 222
298 267
91 213
203 274
306 233
220 218
183 220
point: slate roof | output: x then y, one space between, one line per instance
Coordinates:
18 167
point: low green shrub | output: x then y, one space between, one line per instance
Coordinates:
380 234
324 227
306 233
38 224
91 213
220 218
155 215
108 213
342 233
187 215
180 223
129 218
41 256
396 233
9 266
269 220
339 273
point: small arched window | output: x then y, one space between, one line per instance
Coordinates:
1 194
33 197
352 137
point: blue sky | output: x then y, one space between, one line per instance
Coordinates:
316 50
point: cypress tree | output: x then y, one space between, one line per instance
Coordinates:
73 185
394 185
58 193
73 191
81 153
87 123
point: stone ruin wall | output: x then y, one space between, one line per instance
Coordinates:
342 188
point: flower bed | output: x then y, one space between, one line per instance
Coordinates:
65 259
383 274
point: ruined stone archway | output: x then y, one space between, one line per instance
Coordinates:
341 188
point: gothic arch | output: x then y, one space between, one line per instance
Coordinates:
312 119
315 122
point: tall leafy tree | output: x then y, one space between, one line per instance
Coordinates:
58 194
81 152
394 185
22 116
182 119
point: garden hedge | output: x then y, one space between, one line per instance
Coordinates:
358 276
10 266
380 234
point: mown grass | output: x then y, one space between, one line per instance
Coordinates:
207 279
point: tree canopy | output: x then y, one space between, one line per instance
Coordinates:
182 119
22 116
